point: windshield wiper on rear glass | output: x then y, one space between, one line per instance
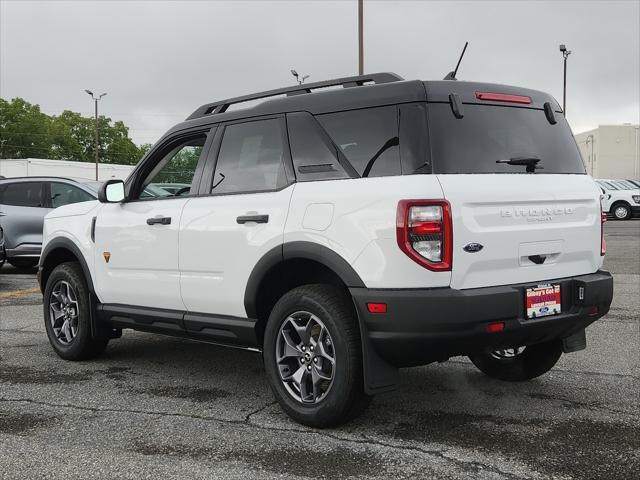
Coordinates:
530 162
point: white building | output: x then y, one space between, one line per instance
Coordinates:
29 167
611 151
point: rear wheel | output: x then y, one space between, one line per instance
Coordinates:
621 211
518 364
67 314
313 356
24 262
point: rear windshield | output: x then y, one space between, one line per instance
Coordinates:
486 134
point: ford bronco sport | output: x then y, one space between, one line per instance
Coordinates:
344 229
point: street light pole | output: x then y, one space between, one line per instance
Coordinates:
360 38
95 100
565 54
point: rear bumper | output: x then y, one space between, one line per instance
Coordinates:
426 325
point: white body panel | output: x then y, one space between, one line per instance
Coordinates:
362 227
515 216
72 222
143 267
217 254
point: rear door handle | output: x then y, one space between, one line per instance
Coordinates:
2 214
253 218
159 221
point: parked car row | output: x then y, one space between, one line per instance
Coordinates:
24 202
620 198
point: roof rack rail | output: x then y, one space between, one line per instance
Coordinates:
346 82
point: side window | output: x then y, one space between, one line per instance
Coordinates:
23 194
173 174
368 139
64 194
314 156
250 158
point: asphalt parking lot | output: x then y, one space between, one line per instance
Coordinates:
157 407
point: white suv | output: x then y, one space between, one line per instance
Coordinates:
620 198
344 233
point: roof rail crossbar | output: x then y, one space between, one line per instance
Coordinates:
346 82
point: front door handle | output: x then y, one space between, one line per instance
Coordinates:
159 221
253 218
2 214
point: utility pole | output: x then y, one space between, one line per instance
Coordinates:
360 39
95 100
565 54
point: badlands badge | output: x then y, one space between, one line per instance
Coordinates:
107 256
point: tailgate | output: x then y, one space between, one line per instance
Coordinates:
531 227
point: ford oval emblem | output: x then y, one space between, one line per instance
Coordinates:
472 247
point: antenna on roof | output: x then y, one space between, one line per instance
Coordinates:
452 75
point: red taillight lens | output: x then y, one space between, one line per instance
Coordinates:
424 233
495 327
502 97
603 243
377 307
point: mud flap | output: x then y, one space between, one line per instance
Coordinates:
575 342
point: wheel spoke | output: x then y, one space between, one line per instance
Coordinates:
291 350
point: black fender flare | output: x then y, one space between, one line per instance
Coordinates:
379 376
67 244
297 250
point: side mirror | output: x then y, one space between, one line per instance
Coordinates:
111 191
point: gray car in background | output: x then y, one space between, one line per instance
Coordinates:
24 202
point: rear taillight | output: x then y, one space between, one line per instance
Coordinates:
424 233
603 243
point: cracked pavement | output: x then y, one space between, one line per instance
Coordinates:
159 407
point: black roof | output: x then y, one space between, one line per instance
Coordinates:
376 89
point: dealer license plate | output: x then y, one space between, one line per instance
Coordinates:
543 300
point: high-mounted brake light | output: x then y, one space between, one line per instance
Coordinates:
502 97
424 233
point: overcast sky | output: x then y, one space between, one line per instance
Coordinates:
159 60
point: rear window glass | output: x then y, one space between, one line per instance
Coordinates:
368 138
22 194
486 134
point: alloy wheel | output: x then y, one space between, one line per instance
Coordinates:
305 357
620 212
507 353
63 312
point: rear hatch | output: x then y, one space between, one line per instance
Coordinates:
511 226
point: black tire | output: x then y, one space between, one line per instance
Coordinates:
24 263
532 362
621 211
345 398
81 346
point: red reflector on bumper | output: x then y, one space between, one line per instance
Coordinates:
495 327
593 311
377 307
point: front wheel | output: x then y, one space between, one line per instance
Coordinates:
622 211
67 314
313 356
518 364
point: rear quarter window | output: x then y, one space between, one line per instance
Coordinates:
368 138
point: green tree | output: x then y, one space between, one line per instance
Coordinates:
27 132
24 130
